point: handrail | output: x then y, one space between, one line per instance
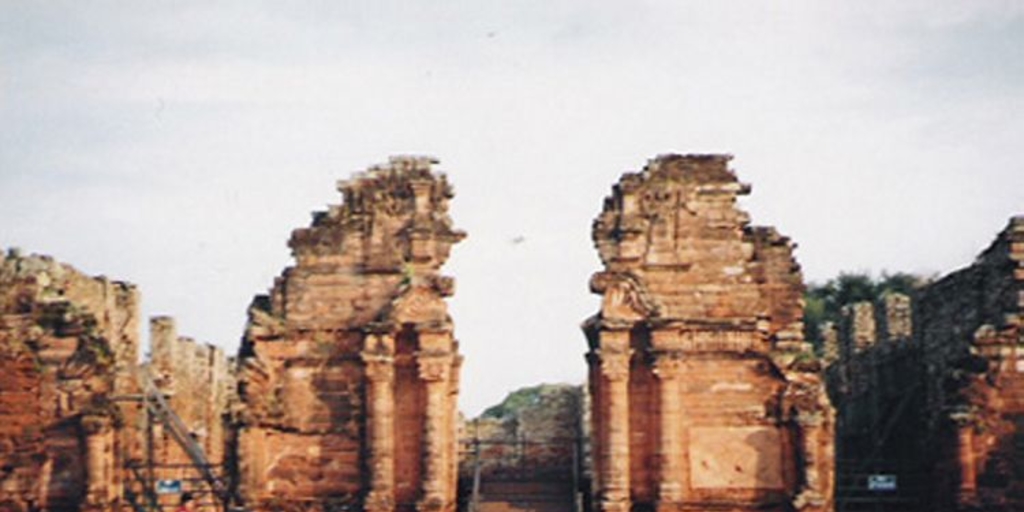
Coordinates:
152 502
160 409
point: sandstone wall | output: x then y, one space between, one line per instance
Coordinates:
969 328
68 348
876 383
536 440
199 385
703 390
931 389
349 368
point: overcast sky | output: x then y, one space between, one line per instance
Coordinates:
177 144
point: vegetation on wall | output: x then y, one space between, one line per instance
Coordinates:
520 399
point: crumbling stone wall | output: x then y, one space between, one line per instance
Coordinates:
526 453
199 386
349 368
535 440
876 383
936 398
703 389
68 347
969 328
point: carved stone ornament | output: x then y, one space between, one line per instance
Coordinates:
615 366
93 424
418 305
624 296
379 368
813 418
668 365
434 368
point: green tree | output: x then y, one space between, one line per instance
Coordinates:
825 302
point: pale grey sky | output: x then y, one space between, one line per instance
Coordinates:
176 144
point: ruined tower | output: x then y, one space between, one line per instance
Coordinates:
349 368
704 392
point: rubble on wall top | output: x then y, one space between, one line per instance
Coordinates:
404 166
1016 225
705 168
48 273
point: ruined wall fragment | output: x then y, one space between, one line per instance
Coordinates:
525 453
68 347
349 368
968 325
703 389
198 384
876 384
533 441
936 398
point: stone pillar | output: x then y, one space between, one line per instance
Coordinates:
380 382
453 422
965 458
668 368
163 337
614 357
99 483
435 371
810 424
831 351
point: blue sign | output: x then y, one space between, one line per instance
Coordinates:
885 483
168 486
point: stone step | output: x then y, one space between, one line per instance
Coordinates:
523 506
507 488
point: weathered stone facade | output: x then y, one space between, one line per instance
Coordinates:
200 389
528 456
939 405
874 377
68 348
969 326
536 440
349 368
704 392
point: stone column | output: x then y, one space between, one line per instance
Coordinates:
965 457
668 368
98 461
453 422
380 382
614 357
434 370
810 424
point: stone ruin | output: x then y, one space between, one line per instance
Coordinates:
527 453
874 381
68 346
930 389
200 385
349 368
704 392
74 433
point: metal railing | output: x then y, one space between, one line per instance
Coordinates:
159 409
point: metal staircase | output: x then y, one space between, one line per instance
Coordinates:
160 411
149 502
